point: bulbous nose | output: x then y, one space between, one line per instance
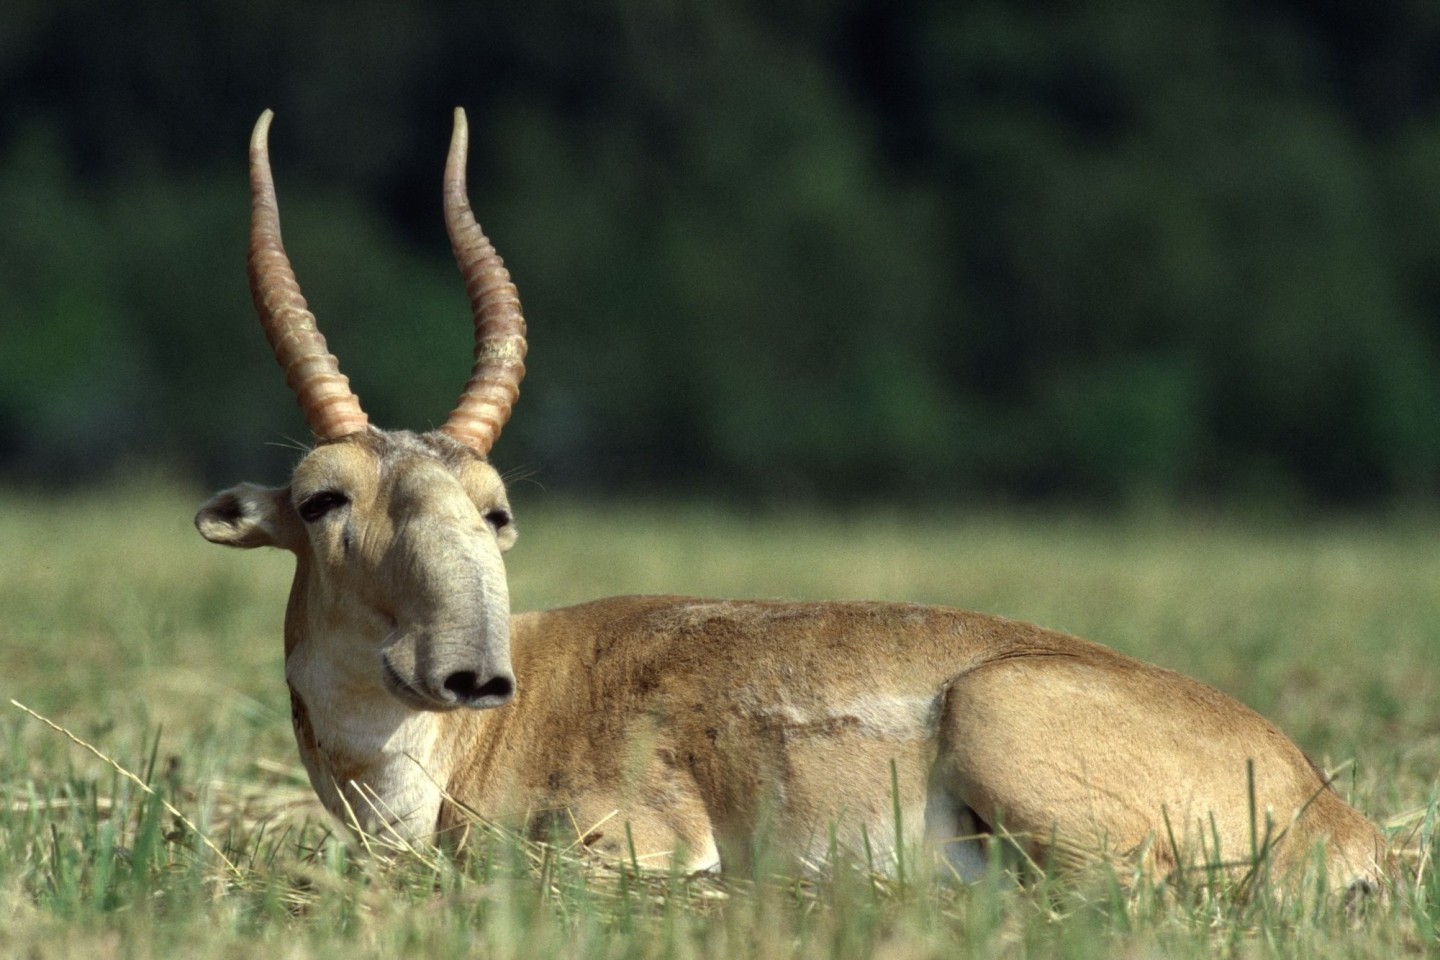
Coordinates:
478 692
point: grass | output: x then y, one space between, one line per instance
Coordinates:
163 652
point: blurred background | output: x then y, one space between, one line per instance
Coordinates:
915 250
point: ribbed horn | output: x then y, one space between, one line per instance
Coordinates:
312 372
494 383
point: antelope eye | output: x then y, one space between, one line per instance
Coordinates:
498 519
318 504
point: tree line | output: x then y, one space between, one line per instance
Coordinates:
982 251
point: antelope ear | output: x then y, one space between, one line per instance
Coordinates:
251 516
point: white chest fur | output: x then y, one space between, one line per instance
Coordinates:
374 763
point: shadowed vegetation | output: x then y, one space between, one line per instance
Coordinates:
982 252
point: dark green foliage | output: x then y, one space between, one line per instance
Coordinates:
1117 252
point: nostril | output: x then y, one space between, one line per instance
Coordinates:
471 691
499 688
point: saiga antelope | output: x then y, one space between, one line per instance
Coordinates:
687 725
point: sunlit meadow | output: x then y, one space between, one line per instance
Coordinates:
162 653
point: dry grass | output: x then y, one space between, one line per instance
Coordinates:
163 652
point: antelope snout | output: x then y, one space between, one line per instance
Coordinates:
445 672
480 690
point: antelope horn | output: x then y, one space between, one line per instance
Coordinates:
494 384
312 372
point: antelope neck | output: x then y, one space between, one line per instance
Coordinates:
375 763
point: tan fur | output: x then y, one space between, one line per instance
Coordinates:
704 724
700 728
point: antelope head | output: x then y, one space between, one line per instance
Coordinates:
399 585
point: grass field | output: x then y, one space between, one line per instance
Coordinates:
163 652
